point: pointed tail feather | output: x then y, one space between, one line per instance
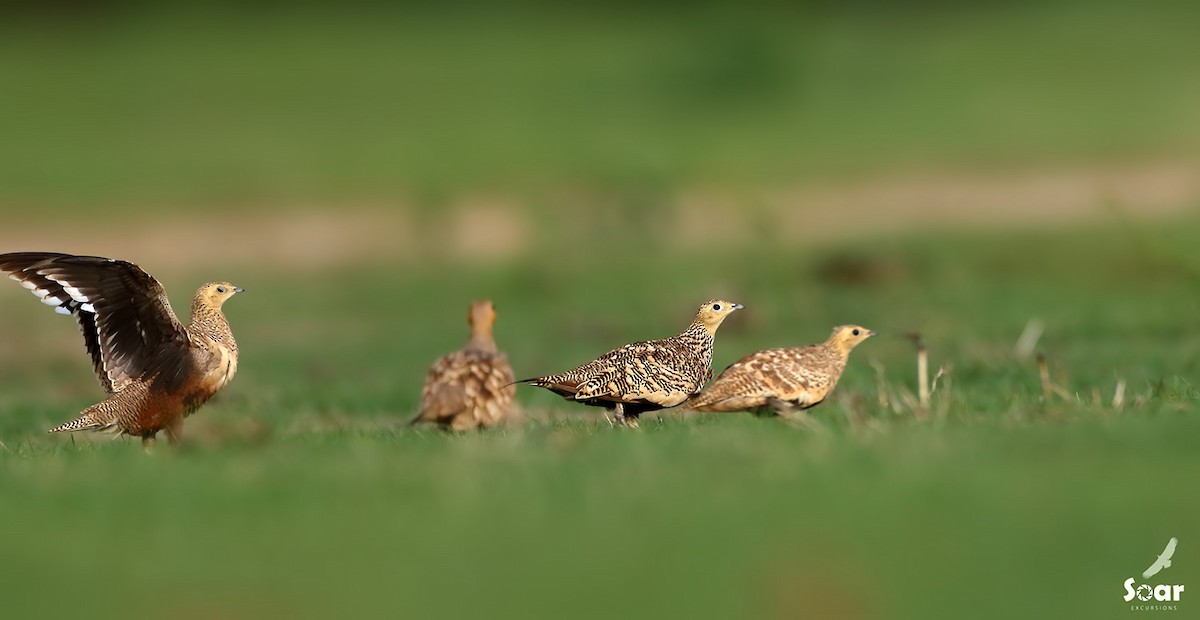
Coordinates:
83 423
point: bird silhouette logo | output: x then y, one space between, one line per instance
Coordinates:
1163 561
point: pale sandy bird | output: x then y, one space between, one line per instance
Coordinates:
155 370
646 376
472 387
782 379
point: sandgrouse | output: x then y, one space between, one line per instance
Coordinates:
155 370
646 376
782 379
473 386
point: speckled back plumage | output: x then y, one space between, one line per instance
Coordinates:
799 377
155 370
474 386
650 375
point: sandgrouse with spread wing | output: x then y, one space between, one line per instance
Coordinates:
646 376
472 387
782 380
155 370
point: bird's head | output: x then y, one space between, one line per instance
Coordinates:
217 293
846 337
482 315
712 312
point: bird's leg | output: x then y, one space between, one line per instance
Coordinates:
175 431
777 407
619 413
147 443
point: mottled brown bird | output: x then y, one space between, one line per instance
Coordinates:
472 387
646 376
782 380
155 370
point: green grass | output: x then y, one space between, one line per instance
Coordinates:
176 108
304 497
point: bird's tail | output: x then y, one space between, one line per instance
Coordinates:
86 422
443 403
702 402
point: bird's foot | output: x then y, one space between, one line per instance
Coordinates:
618 415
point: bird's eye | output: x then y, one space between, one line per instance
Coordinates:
855 332
717 307
221 289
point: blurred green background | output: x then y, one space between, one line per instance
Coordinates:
366 169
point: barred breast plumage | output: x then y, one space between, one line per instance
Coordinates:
646 376
472 387
782 379
155 370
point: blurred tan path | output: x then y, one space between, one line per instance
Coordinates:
494 228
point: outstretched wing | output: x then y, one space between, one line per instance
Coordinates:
124 315
1163 561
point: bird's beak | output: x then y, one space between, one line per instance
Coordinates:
738 306
871 332
239 290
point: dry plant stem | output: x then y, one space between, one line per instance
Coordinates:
922 374
880 384
1044 374
940 373
1118 401
1028 340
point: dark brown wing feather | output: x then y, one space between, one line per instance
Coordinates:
91 341
128 325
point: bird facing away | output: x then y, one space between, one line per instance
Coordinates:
155 370
474 386
646 376
782 379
